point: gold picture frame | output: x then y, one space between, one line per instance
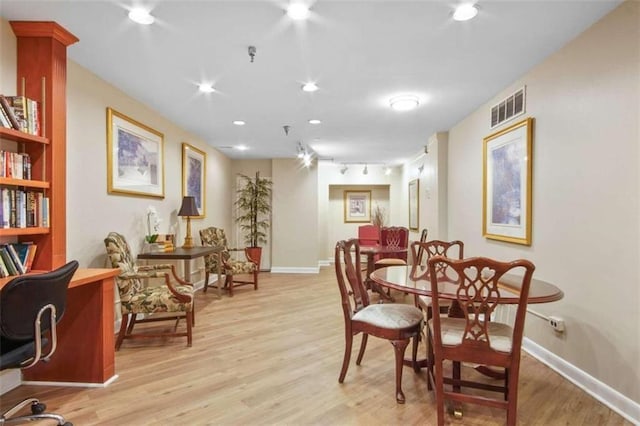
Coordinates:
414 205
194 176
135 157
506 183
357 206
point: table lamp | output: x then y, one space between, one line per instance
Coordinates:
188 209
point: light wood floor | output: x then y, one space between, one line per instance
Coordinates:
273 357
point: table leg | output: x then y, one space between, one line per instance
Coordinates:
219 274
187 270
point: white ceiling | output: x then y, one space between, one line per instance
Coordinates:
360 53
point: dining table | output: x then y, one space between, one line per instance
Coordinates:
371 251
410 280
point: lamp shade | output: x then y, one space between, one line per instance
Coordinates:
188 207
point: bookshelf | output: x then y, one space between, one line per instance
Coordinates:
42 76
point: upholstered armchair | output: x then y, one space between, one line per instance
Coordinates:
230 267
137 299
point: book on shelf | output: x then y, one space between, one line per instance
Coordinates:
6 258
8 110
16 260
31 254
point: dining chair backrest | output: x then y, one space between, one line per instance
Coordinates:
423 239
477 296
421 252
368 235
395 236
348 273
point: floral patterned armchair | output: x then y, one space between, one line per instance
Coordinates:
135 298
230 267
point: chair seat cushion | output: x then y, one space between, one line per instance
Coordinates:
394 316
157 299
391 261
240 267
500 334
425 302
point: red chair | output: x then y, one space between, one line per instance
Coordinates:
393 236
368 235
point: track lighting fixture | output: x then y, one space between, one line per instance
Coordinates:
344 169
365 171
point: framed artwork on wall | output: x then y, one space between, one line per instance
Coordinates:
357 206
135 157
194 169
414 205
506 184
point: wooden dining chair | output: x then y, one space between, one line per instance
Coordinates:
398 323
421 252
472 337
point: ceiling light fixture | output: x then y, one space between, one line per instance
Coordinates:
301 151
241 147
387 171
465 12
310 87
239 122
206 88
298 11
404 102
344 169
365 171
314 121
141 16
252 52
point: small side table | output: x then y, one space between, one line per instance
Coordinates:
188 254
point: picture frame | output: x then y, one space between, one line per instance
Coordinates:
135 157
194 172
357 206
507 183
414 205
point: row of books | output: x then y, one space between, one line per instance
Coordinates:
15 165
20 113
23 209
16 259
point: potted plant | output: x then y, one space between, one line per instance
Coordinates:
254 205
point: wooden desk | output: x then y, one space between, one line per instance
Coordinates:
188 254
85 353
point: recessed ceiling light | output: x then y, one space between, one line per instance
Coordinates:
239 122
464 12
206 88
298 11
141 16
310 87
241 147
314 121
404 102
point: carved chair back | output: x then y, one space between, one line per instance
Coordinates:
352 290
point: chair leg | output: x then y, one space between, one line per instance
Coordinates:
132 322
189 316
255 279
363 346
431 359
399 347
414 353
206 281
439 385
229 283
456 375
123 330
348 337
512 401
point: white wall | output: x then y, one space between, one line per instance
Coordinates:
586 221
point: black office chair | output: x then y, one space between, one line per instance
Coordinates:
30 307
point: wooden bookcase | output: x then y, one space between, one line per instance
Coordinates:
42 76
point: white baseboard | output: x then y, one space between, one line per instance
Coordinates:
322 263
10 379
293 270
72 384
610 397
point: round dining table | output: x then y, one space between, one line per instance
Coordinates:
371 252
402 278
413 281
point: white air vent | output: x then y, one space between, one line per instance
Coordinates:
507 109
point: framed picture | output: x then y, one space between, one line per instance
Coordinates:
357 206
506 184
414 205
135 157
194 168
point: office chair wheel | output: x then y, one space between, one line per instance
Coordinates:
38 408
68 424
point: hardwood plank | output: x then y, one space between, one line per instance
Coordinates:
273 356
